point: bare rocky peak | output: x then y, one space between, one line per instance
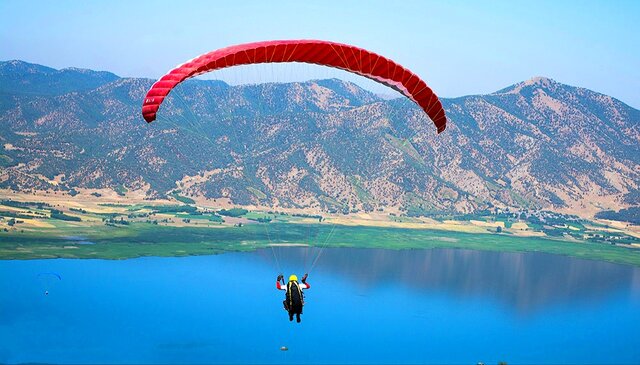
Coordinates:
538 82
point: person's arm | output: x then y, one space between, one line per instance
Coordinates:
304 284
278 285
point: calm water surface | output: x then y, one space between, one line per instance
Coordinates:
365 306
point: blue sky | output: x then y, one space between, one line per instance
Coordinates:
458 47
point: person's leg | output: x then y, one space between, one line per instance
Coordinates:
298 317
290 316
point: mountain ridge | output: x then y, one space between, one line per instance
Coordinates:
28 77
324 144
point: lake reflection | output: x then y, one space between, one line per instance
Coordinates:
526 282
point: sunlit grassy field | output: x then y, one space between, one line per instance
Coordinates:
68 240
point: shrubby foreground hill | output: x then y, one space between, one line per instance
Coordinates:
323 144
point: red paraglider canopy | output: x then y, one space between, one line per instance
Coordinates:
337 55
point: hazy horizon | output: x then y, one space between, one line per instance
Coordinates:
459 48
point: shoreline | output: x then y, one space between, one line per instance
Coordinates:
140 241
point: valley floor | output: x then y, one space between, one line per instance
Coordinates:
115 227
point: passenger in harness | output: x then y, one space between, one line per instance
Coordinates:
294 298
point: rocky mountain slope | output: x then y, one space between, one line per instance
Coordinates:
323 144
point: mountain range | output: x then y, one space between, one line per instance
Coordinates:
322 145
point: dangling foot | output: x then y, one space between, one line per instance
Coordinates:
298 317
291 317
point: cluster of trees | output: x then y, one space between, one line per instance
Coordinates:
172 208
315 216
233 212
137 215
155 221
58 214
261 219
12 222
17 204
631 215
14 215
113 221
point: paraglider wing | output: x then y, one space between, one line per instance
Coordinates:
337 55
50 275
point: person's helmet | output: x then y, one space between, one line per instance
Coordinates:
293 278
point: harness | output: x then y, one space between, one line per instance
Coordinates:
291 286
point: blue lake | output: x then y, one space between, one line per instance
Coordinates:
365 306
